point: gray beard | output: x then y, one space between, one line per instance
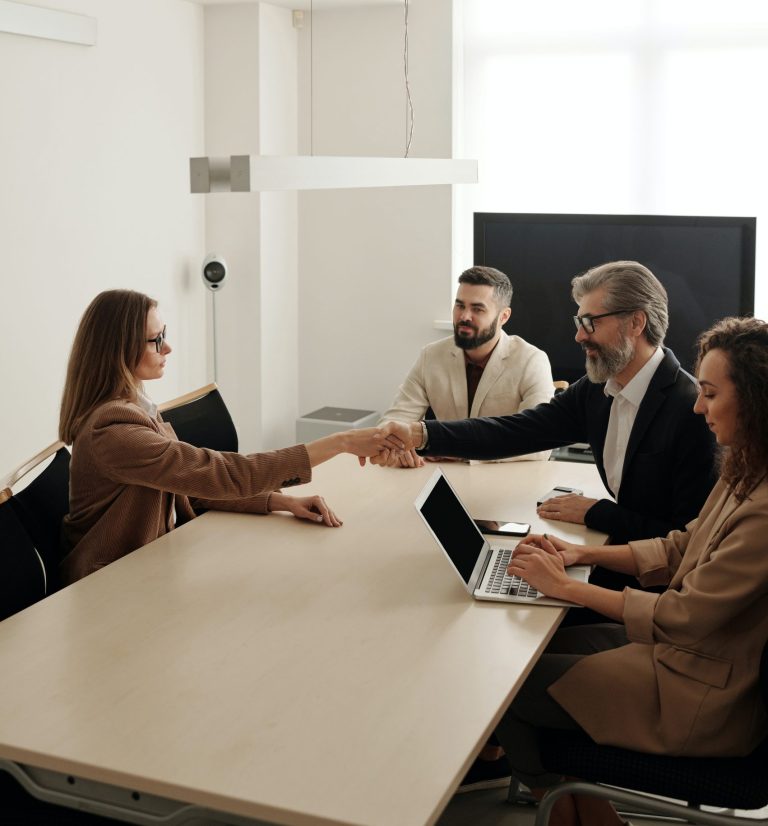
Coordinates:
609 361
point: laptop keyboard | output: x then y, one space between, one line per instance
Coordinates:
500 582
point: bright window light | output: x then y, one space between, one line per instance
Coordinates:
640 106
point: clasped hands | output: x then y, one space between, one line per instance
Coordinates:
397 446
392 444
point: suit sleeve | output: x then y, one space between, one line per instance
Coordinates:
658 559
558 422
690 475
411 402
734 576
131 451
536 385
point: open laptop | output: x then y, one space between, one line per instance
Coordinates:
481 567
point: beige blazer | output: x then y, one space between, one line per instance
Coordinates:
517 376
131 480
687 684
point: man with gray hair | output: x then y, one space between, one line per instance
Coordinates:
634 408
480 370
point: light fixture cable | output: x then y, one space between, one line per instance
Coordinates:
311 77
409 108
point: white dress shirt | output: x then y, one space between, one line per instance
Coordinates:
626 402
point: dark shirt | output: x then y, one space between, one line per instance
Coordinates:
474 374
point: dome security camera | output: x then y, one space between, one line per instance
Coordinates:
214 272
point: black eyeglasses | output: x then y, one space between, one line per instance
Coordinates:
159 340
587 322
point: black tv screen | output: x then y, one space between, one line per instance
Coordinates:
707 266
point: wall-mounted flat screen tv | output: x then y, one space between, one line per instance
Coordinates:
707 266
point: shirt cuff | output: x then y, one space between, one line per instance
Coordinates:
424 436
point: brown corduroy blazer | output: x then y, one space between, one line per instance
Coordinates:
687 683
129 474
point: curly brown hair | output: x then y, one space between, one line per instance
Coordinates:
745 344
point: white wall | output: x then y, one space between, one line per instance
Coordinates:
374 265
309 309
94 149
251 108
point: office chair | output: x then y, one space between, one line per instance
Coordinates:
202 419
39 507
721 782
30 521
22 572
42 504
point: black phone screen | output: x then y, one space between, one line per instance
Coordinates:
503 528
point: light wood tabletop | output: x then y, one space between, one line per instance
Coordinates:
281 670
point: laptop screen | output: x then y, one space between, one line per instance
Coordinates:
452 525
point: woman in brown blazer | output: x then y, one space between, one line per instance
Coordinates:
131 480
679 675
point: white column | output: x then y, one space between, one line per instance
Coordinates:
250 73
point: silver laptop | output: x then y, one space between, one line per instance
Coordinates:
481 567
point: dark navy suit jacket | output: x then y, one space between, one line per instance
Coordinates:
669 466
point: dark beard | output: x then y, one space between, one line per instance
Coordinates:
478 339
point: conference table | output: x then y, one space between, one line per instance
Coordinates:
274 670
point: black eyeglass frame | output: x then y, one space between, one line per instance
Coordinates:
587 322
159 340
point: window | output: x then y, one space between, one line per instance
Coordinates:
642 106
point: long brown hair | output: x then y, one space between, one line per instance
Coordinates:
745 344
108 347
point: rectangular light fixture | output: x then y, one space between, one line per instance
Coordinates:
34 21
263 173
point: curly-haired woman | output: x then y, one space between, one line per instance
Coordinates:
678 672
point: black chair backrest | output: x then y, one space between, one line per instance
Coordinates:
22 574
40 508
203 422
764 674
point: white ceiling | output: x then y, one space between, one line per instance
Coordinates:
317 5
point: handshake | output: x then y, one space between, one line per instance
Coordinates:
392 444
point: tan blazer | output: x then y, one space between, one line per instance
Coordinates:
129 476
517 376
687 684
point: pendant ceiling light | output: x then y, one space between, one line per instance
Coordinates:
262 173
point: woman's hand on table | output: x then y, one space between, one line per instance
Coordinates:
313 508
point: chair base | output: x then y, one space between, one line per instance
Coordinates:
628 801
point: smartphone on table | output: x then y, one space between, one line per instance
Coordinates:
560 490
503 528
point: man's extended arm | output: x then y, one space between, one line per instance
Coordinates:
558 422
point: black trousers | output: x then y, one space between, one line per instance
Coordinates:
533 709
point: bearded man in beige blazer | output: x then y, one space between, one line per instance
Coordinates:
480 370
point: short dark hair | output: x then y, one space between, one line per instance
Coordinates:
628 286
744 341
489 277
